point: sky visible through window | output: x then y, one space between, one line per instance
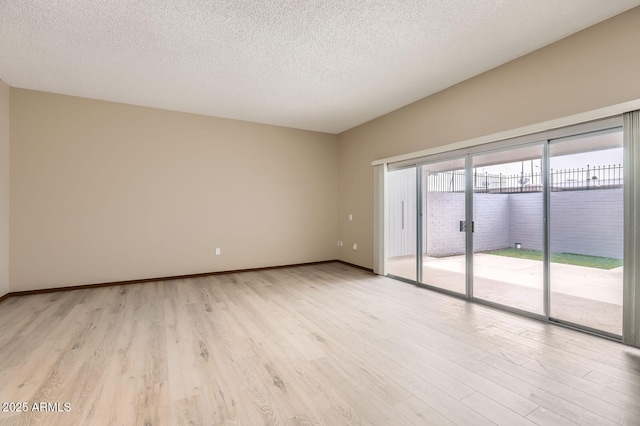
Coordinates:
608 157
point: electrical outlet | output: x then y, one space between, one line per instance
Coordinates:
355 246
350 217
218 251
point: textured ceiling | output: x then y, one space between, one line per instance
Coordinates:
319 65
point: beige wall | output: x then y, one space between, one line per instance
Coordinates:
104 192
595 68
4 188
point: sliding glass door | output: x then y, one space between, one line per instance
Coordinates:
586 230
535 227
443 238
508 234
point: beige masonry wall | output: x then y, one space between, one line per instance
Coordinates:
4 188
104 192
592 69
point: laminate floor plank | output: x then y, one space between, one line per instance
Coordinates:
604 408
186 380
133 388
542 352
240 374
324 344
629 401
284 384
576 363
613 383
384 357
387 390
373 354
34 328
285 377
560 406
448 327
410 376
494 411
594 355
32 368
419 413
509 399
543 417
371 407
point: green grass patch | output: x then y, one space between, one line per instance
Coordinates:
566 258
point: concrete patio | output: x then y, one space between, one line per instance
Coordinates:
582 295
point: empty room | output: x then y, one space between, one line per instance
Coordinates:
354 212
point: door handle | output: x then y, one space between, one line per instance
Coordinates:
463 226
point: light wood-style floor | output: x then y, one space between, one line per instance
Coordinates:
324 344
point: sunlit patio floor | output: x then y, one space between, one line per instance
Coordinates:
581 295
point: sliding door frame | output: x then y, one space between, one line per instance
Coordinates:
544 139
542 143
546 240
548 311
468 220
421 194
419 228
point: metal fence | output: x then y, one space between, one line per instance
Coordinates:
579 179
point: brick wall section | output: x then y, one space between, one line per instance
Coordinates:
525 220
582 222
444 211
491 215
588 222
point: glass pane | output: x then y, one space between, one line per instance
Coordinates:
586 231
508 228
443 244
402 223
